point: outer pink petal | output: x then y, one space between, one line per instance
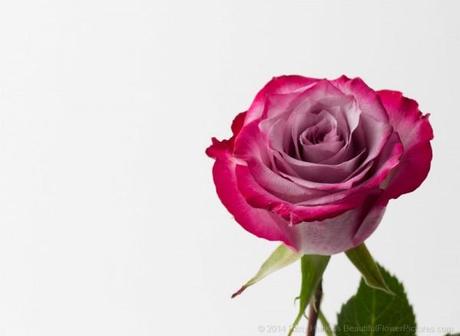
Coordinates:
415 132
221 147
337 234
366 97
257 221
278 85
372 220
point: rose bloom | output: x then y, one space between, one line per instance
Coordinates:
314 162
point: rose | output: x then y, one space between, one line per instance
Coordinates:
313 163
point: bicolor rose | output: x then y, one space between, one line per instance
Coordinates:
314 162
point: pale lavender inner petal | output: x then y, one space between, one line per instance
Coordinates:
317 172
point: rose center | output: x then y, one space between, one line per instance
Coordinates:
319 141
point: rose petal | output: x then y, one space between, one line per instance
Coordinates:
278 85
368 100
319 172
337 234
415 132
257 221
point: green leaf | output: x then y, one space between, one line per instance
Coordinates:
281 257
363 261
313 267
376 313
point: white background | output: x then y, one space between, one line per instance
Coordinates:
109 222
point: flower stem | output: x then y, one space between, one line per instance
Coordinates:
314 310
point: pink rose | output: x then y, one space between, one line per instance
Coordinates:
313 162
